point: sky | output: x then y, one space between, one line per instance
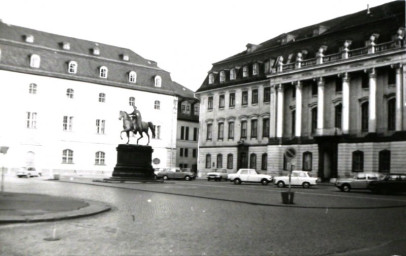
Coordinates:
185 37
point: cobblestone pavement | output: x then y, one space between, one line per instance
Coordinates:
209 218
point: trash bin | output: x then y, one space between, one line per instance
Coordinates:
287 197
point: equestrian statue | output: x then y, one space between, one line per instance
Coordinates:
133 123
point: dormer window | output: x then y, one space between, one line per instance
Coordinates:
72 67
66 46
232 74
29 39
245 71
35 61
103 72
222 76
211 78
255 69
158 81
96 51
125 57
132 77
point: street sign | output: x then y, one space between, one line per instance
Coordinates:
290 153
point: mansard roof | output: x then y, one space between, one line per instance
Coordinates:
384 20
56 51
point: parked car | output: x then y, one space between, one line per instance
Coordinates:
389 183
174 173
298 178
249 175
217 175
358 181
28 172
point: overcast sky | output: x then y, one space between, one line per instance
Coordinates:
184 36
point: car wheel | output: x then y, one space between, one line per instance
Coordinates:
306 185
237 181
264 182
208 179
219 179
28 176
280 184
346 187
187 178
165 177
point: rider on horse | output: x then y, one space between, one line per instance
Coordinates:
136 116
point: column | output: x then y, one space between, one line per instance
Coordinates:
273 113
372 101
399 98
402 82
346 104
298 117
320 106
279 116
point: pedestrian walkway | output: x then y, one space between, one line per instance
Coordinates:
24 207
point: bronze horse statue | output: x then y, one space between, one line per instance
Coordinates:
130 125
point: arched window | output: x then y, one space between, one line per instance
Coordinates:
72 67
264 162
103 72
208 161
100 156
70 93
364 116
131 101
157 104
384 161
219 161
357 161
132 77
67 156
158 81
211 78
102 97
253 161
307 161
222 76
230 161
35 61
391 114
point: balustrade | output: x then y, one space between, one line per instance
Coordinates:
332 57
358 52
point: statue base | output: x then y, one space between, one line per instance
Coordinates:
134 163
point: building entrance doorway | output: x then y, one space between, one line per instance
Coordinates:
328 152
242 156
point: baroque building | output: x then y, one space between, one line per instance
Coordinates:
334 91
60 99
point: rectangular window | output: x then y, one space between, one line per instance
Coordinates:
157 129
33 88
254 128
186 152
67 156
182 132
209 131
196 109
365 81
181 152
220 131
265 127
392 76
338 115
314 89
210 103
31 120
195 134
194 153
232 100
231 130
244 98
67 123
364 117
222 101
254 96
314 120
339 84
245 71
100 126
243 129
187 133
267 94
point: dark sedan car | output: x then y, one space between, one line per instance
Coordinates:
390 183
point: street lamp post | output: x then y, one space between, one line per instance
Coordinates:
3 150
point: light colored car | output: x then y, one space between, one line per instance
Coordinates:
175 173
28 172
249 175
218 175
298 178
359 181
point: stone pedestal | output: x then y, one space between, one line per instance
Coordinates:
133 163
